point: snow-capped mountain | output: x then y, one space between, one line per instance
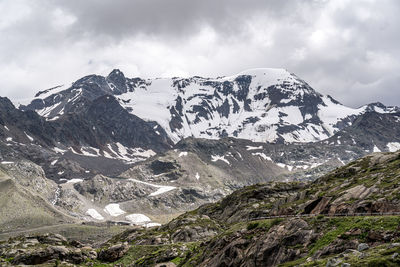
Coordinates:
262 105
163 146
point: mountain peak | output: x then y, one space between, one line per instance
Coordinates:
116 73
117 81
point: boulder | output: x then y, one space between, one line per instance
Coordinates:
114 252
362 247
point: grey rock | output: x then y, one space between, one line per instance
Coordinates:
333 262
113 253
362 247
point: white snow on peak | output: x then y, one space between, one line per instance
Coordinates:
114 210
267 75
253 114
94 214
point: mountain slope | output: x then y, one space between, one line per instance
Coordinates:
26 198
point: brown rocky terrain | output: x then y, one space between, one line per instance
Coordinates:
346 218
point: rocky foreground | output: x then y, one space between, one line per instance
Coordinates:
346 218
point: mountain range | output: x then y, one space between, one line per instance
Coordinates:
104 148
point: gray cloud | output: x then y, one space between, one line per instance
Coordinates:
348 49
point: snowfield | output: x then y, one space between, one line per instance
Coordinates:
94 214
138 219
393 146
114 210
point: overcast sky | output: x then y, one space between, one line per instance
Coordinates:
349 49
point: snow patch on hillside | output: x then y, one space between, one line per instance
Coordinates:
393 146
114 210
215 158
138 218
161 188
94 214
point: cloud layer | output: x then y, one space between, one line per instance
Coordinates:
349 49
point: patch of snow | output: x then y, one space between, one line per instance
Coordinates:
54 162
29 137
216 158
316 164
304 167
7 162
6 128
60 173
56 196
283 166
161 188
152 224
59 150
393 146
138 218
262 155
74 181
94 214
254 147
9 139
183 153
197 176
114 210
376 149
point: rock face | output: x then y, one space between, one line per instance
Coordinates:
266 250
39 249
113 253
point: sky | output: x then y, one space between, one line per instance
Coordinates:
349 49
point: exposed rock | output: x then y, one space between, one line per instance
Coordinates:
362 247
113 253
